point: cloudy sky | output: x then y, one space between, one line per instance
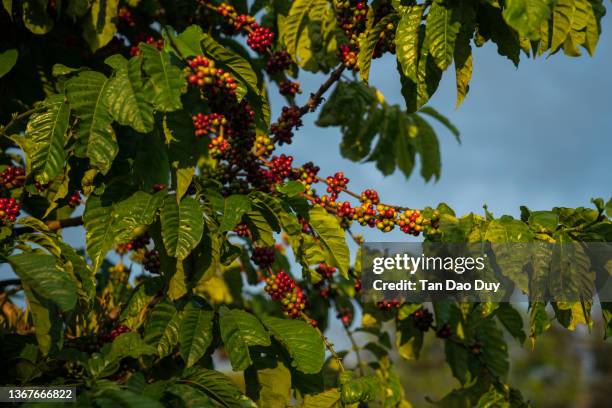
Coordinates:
539 135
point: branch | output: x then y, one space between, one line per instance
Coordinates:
53 225
328 345
18 118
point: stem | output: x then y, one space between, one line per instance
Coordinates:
54 225
328 345
17 119
356 349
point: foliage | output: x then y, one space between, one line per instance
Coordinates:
153 117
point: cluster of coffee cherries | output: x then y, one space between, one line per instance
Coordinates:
116 332
134 245
281 287
157 43
351 17
445 331
336 184
12 177
151 261
307 174
212 124
206 124
9 210
75 200
126 16
279 169
235 21
260 39
242 230
386 41
348 56
282 130
387 305
263 146
324 286
203 73
345 315
263 256
422 319
278 62
289 88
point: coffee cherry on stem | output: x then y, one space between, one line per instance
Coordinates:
278 62
444 332
74 200
12 177
151 261
281 287
260 39
263 256
289 88
9 210
242 229
422 319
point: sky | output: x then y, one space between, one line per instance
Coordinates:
539 135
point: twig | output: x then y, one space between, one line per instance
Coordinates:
328 345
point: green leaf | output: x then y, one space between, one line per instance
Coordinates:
123 398
184 176
234 207
35 16
301 341
106 362
290 188
98 222
407 41
196 333
187 43
327 399
162 328
331 234
428 110
293 25
494 348
512 321
429 149
87 94
539 321
409 340
190 396
46 319
239 331
127 101
99 27
77 8
8 59
131 214
526 16
47 131
167 81
563 14
457 358
275 386
182 226
219 387
441 32
43 275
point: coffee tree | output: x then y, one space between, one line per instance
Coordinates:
147 123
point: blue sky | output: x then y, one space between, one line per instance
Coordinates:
539 135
